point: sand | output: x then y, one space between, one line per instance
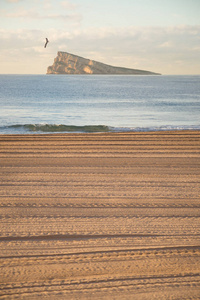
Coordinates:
100 216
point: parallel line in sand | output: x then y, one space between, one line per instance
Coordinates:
148 250
123 282
104 134
83 233
100 185
107 143
106 147
98 167
99 197
95 149
140 217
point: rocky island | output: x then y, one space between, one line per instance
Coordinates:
66 63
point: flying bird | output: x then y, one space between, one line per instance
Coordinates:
46 42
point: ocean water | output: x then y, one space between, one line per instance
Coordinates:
95 103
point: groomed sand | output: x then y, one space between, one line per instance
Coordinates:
100 216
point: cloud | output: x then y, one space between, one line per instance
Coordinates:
13 1
153 48
166 45
33 14
22 13
64 17
68 5
171 50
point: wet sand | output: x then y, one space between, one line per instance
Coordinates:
100 216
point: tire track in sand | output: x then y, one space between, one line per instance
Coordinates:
105 216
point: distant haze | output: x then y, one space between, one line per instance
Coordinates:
163 36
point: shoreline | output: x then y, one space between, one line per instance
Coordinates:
164 131
102 215
37 129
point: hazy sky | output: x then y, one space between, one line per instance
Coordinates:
156 35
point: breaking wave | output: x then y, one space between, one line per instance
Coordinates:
56 128
53 128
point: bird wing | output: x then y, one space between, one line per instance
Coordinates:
46 42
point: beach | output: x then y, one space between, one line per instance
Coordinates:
100 215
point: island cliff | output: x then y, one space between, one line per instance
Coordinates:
66 63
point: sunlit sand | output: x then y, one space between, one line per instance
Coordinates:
100 216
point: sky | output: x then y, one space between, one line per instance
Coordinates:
156 35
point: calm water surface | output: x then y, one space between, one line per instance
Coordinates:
48 103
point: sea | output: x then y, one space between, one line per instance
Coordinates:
98 103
